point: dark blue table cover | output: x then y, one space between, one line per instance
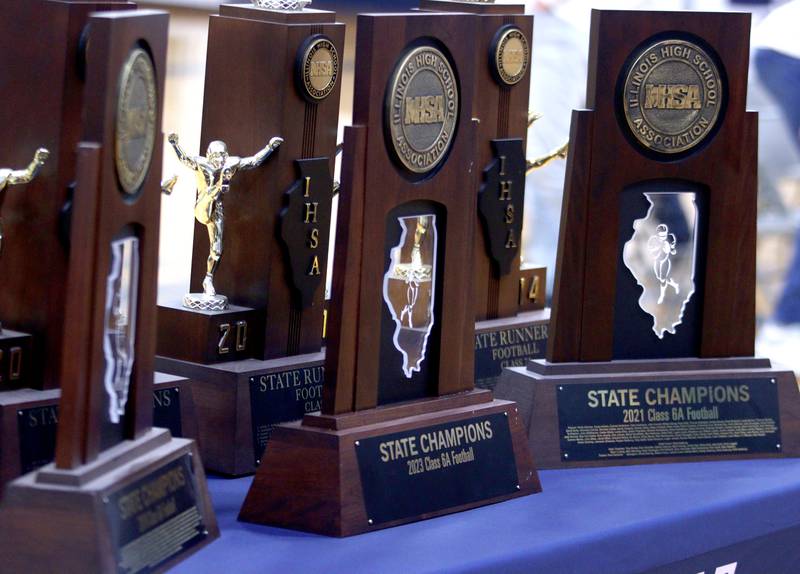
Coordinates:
587 521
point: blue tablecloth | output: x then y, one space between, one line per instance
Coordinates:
588 521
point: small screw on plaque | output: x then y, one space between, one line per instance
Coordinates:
359 444
566 455
105 500
369 521
205 532
20 413
517 487
177 390
560 388
505 413
773 381
778 446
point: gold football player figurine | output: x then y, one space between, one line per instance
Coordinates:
558 153
214 173
21 176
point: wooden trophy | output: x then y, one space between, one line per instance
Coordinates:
272 70
650 357
41 108
121 495
43 99
402 434
510 299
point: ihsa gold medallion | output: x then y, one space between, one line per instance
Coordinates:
422 108
672 96
136 120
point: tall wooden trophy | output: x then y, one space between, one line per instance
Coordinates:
650 351
509 297
250 336
41 107
402 434
27 427
43 100
122 495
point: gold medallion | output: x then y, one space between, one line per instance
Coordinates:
672 96
511 55
422 109
136 120
319 68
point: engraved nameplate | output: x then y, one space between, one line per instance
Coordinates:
428 469
282 396
37 436
155 518
668 418
167 409
509 346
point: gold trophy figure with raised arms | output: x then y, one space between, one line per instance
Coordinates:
21 176
214 173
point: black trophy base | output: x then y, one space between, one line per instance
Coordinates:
208 336
28 423
655 411
347 474
237 404
141 506
16 349
29 420
509 342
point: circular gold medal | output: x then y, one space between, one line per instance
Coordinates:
422 109
511 55
319 68
672 96
136 120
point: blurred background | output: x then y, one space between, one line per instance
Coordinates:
559 66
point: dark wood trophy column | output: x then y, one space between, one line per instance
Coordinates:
512 321
650 356
122 495
43 103
41 107
269 74
402 434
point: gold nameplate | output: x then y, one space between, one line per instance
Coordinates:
136 120
672 96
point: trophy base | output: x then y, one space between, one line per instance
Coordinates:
203 302
205 336
347 474
29 420
93 518
238 403
509 342
655 411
